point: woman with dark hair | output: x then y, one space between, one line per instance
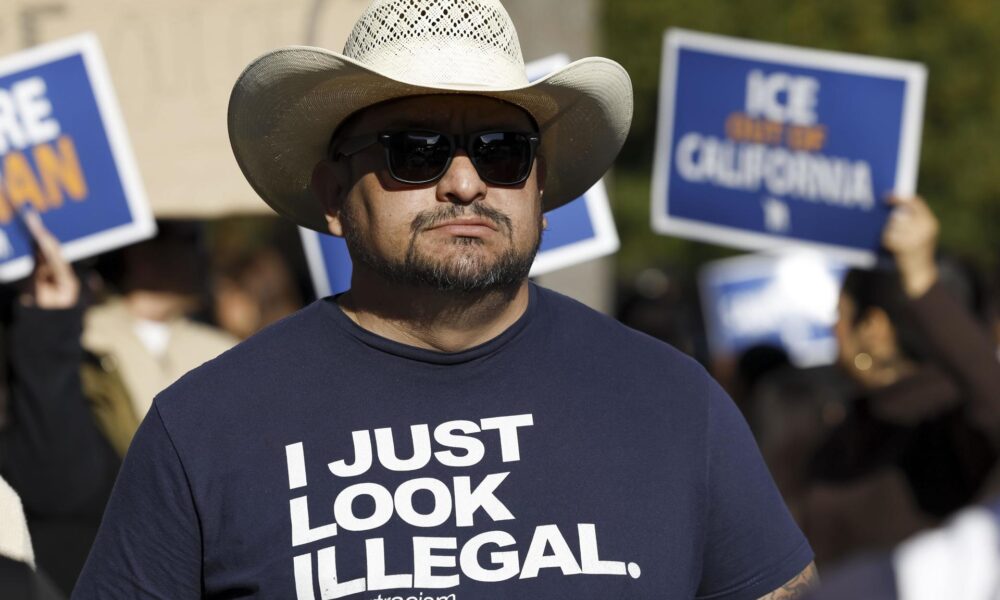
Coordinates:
923 434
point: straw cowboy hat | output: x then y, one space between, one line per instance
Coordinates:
286 105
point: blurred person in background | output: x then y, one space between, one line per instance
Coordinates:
958 561
20 578
993 309
921 438
791 410
52 449
254 291
657 302
146 333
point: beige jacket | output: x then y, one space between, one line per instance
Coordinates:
108 332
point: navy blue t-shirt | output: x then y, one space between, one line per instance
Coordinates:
570 457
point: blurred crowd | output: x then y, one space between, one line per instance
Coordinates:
85 350
897 437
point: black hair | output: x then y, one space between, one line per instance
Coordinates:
882 288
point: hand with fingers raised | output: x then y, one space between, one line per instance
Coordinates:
53 284
911 235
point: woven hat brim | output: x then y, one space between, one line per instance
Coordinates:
287 104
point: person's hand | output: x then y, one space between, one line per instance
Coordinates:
53 284
911 235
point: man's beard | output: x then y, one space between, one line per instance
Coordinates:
468 273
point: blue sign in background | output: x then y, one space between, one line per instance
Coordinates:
568 224
738 338
863 120
749 301
74 106
337 262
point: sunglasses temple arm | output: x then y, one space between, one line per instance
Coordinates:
351 146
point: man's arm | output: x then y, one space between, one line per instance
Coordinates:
957 341
752 545
149 544
798 586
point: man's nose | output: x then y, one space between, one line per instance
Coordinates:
461 183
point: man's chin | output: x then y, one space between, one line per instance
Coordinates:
464 267
462 275
469 272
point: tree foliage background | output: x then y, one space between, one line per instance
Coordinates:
958 40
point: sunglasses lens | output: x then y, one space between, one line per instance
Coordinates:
503 158
418 156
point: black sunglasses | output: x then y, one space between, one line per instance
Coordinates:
418 157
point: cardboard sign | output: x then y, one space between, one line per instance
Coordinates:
788 301
761 145
577 232
64 154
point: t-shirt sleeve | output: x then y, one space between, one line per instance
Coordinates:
752 545
149 543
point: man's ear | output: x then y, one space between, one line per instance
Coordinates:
329 186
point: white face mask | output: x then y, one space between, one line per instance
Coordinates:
154 335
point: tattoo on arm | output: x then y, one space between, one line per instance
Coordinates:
797 587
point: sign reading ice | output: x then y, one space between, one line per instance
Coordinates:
761 145
64 154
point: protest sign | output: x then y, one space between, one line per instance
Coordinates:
329 262
786 300
761 145
577 232
174 64
64 154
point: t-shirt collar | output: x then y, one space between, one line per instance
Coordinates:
393 347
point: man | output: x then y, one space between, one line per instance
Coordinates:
445 429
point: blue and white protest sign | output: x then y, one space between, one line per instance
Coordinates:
329 262
785 300
761 145
64 154
577 232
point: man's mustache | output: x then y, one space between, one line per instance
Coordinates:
431 218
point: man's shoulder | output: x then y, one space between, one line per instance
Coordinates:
271 355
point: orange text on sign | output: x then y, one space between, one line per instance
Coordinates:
742 128
58 173
806 138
